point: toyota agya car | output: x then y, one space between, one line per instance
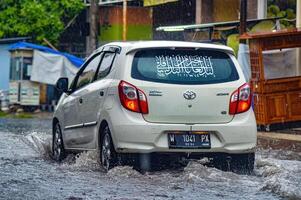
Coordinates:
164 97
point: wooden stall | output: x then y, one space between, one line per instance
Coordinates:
277 99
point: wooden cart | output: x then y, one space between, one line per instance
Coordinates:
277 101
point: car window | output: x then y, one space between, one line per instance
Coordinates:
105 65
87 75
183 66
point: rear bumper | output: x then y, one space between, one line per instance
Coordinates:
132 134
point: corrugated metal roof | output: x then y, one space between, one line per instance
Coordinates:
13 40
209 25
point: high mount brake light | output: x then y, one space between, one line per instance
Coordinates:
132 98
240 100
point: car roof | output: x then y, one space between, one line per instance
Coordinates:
138 45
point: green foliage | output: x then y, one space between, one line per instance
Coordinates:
290 13
16 115
274 9
3 114
22 116
286 11
37 18
281 14
283 8
263 26
233 42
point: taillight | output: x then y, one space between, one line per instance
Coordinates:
240 100
132 98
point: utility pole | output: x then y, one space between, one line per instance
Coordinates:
298 10
243 19
298 25
93 21
124 20
242 42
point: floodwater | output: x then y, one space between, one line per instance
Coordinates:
27 172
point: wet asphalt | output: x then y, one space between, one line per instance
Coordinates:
27 172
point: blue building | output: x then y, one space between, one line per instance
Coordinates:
5 60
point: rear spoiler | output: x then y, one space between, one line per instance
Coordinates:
226 50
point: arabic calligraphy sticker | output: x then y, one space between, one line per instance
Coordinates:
184 66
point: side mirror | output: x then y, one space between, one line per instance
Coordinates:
62 84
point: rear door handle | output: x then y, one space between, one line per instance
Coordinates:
101 93
80 100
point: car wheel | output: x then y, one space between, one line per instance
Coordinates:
243 163
58 150
108 155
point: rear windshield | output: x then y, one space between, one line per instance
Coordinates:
183 66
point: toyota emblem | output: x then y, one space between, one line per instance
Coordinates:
189 95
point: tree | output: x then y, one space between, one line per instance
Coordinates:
93 19
40 19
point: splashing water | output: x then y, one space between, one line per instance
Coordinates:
40 142
281 178
85 161
124 171
276 173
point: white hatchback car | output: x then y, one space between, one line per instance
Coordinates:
163 97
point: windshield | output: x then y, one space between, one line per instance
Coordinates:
183 66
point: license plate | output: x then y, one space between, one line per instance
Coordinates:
187 140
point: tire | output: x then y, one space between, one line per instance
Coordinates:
242 163
58 149
108 155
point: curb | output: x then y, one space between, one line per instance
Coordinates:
279 141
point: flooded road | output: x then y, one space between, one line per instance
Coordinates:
27 172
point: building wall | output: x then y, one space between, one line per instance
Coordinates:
252 9
4 66
208 11
139 24
225 10
174 13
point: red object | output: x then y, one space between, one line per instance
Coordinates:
240 100
132 98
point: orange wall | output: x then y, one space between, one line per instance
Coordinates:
225 10
139 24
135 15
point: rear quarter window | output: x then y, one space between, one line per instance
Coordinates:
183 66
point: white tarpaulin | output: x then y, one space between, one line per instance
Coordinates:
279 63
48 68
244 60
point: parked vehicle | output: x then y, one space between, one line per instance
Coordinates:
163 97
